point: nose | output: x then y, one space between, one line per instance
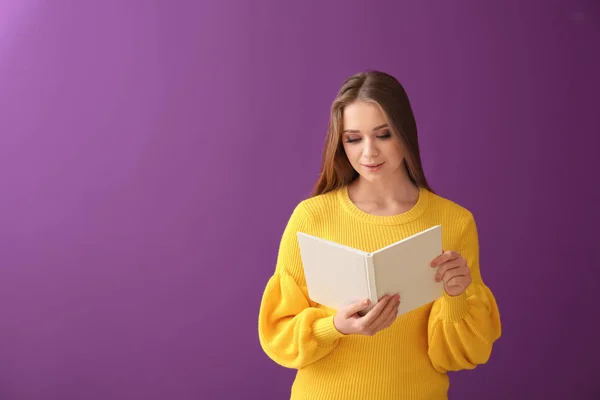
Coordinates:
370 149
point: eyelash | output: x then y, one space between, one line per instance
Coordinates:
385 136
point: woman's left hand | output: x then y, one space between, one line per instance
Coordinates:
454 271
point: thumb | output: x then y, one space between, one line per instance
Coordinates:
356 307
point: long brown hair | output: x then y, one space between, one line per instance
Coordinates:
389 94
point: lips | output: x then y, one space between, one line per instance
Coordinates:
372 165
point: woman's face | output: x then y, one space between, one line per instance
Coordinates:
371 147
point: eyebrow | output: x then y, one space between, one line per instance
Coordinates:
357 131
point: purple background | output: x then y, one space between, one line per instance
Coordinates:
151 153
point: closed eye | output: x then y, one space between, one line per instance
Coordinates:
384 136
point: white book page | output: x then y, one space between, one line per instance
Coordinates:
404 268
335 274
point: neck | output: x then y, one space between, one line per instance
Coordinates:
396 189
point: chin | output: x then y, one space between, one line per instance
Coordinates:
373 177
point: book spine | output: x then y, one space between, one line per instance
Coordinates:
372 287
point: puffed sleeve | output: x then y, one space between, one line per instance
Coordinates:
292 331
462 329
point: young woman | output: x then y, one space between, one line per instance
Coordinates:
372 192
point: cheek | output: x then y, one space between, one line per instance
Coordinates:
352 152
393 151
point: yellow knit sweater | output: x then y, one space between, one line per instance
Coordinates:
408 360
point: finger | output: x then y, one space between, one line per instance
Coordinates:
444 268
453 273
444 257
368 319
440 259
384 314
453 263
459 281
355 307
391 316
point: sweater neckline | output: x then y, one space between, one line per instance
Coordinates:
402 218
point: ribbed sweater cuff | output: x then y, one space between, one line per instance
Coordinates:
325 332
454 308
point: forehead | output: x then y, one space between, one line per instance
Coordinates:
363 116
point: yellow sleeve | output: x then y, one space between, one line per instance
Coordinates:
462 329
292 331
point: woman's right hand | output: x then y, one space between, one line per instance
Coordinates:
348 322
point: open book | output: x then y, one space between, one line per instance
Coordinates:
337 275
